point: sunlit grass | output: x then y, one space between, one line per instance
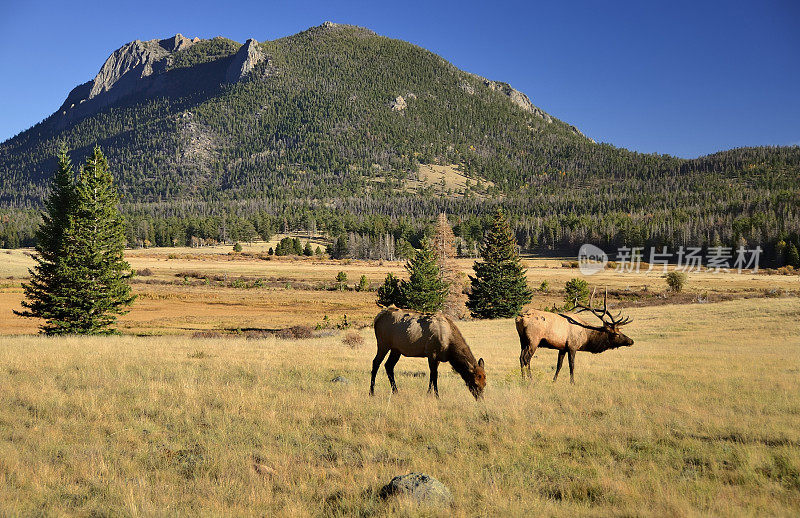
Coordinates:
701 416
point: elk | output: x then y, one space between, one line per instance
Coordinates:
417 335
569 335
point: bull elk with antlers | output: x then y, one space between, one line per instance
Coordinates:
569 335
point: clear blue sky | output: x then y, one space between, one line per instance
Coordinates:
684 78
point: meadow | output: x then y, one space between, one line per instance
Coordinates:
700 417
190 290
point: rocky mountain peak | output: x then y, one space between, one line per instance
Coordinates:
132 61
177 42
122 72
245 59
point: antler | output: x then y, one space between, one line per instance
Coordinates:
613 321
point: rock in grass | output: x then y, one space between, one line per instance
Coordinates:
419 488
340 379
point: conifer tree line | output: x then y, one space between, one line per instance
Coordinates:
79 283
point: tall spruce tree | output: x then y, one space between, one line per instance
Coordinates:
84 285
95 251
425 290
499 287
46 295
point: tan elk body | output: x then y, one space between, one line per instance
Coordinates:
568 334
418 335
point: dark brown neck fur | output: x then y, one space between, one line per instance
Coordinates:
460 356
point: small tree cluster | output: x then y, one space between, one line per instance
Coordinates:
289 246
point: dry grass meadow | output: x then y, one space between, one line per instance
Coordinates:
700 417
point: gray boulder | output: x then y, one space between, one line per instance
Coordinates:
420 488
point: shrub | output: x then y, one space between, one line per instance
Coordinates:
352 339
544 287
363 284
341 281
389 293
295 333
676 281
237 247
575 289
144 272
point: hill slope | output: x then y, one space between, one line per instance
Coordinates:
303 127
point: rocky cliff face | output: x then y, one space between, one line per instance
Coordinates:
122 73
144 68
244 61
521 100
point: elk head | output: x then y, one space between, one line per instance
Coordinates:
611 323
478 381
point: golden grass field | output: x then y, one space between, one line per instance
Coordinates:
700 417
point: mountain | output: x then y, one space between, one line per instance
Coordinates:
365 134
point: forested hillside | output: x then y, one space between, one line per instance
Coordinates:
213 140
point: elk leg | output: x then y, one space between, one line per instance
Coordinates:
525 345
376 363
390 363
571 366
434 366
561 354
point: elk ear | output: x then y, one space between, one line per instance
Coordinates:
480 363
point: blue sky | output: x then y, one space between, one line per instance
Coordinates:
683 78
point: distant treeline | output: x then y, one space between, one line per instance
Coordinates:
379 229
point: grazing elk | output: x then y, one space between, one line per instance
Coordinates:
435 337
569 334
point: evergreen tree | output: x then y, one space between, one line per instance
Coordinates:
792 255
96 271
341 281
425 290
308 251
46 294
780 252
339 249
499 287
389 293
576 289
